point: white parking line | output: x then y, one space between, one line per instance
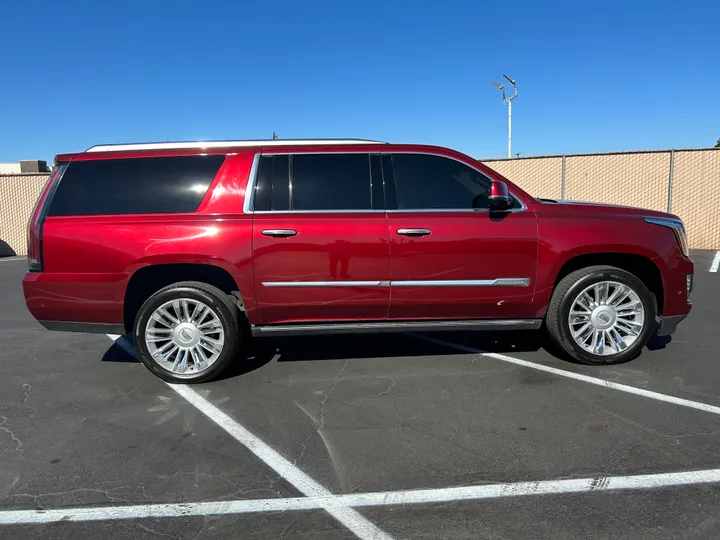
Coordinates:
8 259
577 376
716 262
346 502
350 518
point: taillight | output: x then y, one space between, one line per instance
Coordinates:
37 219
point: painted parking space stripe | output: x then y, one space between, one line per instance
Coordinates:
715 263
352 519
357 500
10 259
578 376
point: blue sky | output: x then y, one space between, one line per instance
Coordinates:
592 76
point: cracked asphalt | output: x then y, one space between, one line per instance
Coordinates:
82 423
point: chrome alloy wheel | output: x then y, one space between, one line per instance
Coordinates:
184 336
606 318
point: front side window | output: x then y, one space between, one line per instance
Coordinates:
434 182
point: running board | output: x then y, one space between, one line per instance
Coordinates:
394 326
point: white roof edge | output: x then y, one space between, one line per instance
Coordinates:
224 144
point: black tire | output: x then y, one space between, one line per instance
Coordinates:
211 296
558 326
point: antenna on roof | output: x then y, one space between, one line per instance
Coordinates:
274 137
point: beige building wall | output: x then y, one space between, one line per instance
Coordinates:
18 193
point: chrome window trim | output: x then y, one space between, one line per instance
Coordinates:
498 282
251 184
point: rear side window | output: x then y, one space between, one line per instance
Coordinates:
160 185
330 182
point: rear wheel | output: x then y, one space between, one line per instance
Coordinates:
187 332
601 315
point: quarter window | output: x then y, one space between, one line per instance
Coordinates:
134 186
435 182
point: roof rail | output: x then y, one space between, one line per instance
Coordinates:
224 144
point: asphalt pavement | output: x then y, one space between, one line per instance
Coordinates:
366 436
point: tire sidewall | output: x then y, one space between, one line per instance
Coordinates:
620 276
227 320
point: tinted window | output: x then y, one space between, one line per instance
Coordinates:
272 187
330 182
134 186
424 181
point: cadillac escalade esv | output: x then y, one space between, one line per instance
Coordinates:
184 245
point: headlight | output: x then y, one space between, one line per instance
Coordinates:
677 227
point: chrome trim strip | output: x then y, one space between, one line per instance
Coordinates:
396 326
323 283
319 211
500 282
250 189
225 144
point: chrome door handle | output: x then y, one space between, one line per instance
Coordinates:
414 232
279 233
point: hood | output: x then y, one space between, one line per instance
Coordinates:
608 209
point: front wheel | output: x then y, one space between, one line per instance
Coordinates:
601 315
187 332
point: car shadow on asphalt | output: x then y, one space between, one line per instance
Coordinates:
259 352
262 351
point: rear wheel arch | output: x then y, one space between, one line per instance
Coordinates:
147 280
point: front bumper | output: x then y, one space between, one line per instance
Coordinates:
668 325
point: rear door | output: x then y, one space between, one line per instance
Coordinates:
320 238
451 258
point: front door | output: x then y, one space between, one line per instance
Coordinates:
320 239
451 258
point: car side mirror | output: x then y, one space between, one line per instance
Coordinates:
499 199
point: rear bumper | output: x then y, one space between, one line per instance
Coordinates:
668 325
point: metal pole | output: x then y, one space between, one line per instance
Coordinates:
670 180
509 129
562 180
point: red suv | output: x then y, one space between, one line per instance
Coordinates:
186 244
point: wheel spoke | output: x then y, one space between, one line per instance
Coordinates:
199 358
165 317
582 335
210 327
628 327
620 289
180 365
185 310
209 346
617 339
621 298
579 317
199 315
600 345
